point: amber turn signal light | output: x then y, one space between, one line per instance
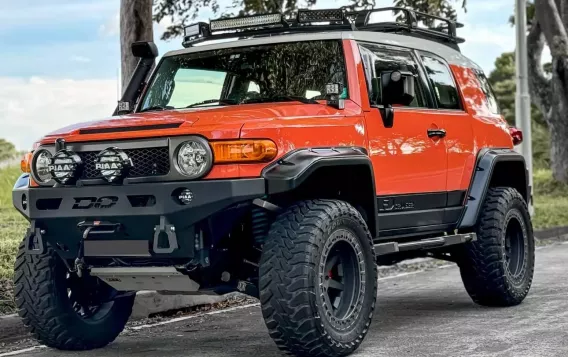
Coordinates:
26 163
245 151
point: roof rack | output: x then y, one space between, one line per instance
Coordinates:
327 20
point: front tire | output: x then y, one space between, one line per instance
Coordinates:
60 309
318 279
497 269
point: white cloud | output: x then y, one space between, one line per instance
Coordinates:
30 108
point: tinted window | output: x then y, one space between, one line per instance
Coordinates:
442 82
490 98
377 59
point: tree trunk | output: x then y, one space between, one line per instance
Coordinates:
135 25
551 95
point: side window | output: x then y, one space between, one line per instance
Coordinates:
377 59
442 83
489 94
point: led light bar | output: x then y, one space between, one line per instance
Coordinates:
246 22
331 15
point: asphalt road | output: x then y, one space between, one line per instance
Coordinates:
423 314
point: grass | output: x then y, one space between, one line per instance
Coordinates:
551 208
12 230
550 201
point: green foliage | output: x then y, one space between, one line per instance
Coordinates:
12 224
551 201
502 79
7 150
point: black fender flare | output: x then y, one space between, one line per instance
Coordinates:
294 168
487 161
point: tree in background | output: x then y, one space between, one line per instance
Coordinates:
7 150
548 22
502 79
135 25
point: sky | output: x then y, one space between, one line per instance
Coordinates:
60 58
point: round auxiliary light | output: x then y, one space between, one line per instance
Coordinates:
113 164
65 166
41 166
194 158
185 196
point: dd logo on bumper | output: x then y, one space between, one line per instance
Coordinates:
94 202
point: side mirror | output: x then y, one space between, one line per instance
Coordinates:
144 50
393 88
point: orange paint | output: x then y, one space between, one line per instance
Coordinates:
405 159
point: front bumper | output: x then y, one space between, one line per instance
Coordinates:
137 208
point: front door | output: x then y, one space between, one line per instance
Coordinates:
409 159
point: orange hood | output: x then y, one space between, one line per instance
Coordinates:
213 122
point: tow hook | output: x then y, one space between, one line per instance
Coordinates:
164 228
34 240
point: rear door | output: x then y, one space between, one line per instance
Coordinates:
409 159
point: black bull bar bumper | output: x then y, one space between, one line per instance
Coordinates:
60 215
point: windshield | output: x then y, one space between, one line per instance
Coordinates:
269 73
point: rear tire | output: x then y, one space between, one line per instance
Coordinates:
318 279
497 269
58 315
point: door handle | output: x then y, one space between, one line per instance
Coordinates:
439 133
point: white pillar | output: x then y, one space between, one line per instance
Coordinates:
522 99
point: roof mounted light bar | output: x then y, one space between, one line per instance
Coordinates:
326 20
246 22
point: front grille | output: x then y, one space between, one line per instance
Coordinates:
146 162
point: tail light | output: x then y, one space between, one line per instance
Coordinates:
516 135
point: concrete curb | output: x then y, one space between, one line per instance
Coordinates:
555 233
150 302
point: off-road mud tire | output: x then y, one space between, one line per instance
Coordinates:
483 265
43 305
290 279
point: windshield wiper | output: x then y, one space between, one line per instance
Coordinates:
211 101
156 108
279 98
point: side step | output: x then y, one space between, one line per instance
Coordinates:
145 278
424 244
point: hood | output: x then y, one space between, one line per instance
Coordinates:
205 121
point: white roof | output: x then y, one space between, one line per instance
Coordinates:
449 54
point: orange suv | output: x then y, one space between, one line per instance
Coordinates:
283 157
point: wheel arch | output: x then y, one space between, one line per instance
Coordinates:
305 174
494 168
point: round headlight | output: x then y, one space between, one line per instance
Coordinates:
194 158
41 166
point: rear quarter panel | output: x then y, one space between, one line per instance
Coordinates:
488 130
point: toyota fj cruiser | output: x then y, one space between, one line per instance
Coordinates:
285 162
